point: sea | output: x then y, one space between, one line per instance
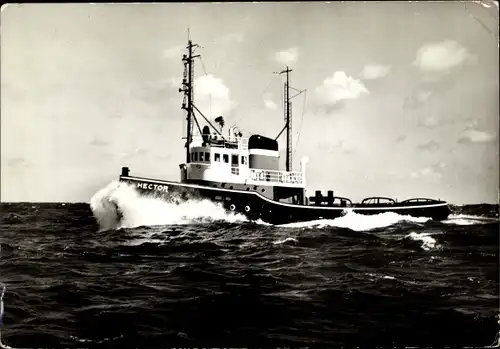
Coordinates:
159 275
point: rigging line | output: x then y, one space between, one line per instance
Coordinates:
197 124
271 82
220 134
301 123
282 95
203 65
210 93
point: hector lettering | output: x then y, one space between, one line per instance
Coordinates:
151 186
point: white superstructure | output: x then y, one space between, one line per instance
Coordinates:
228 162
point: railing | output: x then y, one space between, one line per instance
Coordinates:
229 142
293 177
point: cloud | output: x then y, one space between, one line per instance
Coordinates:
140 152
417 100
238 37
174 82
212 97
476 136
98 142
431 172
422 96
375 71
440 57
287 57
339 87
173 52
268 102
430 146
400 139
16 162
429 122
335 148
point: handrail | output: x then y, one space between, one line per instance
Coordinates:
289 177
419 200
260 175
376 200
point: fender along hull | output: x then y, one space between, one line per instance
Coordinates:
255 206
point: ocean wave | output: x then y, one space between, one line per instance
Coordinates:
71 285
427 241
466 219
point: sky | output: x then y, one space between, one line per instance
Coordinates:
401 98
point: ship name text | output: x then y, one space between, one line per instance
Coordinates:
151 186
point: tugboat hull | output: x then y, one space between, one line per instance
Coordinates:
256 206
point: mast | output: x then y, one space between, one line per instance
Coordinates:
187 88
288 119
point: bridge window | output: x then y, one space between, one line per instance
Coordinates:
234 160
201 156
207 157
243 160
217 157
225 157
195 156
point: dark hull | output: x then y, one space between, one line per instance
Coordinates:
255 206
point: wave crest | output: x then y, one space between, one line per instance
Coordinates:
119 205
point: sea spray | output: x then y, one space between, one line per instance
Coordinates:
119 205
359 222
462 219
105 212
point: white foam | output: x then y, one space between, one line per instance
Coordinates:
463 219
359 222
137 210
282 241
387 277
428 242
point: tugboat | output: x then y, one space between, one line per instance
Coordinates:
243 174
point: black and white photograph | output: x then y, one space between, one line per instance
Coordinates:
250 174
